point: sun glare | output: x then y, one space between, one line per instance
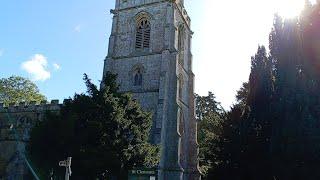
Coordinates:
289 8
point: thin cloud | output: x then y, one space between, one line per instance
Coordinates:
56 66
78 28
37 67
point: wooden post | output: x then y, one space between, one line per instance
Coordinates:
67 164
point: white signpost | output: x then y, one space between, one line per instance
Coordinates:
67 164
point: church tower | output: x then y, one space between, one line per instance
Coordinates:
149 50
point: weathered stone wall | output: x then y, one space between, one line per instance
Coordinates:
16 122
134 3
167 88
123 58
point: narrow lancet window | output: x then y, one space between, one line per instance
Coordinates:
138 78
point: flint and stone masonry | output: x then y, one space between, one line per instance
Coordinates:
149 50
16 122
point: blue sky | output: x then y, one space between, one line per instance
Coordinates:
72 34
55 42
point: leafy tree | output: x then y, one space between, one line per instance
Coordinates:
210 115
206 105
105 132
229 154
17 89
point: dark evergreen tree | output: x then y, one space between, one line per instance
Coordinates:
293 98
273 130
256 120
242 95
104 131
278 109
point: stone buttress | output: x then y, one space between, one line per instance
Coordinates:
150 51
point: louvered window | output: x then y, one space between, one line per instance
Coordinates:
143 34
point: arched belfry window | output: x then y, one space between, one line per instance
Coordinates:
138 78
143 31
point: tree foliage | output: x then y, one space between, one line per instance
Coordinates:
17 89
104 131
228 156
272 132
210 115
2 167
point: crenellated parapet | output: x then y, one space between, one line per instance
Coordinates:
16 122
17 119
30 106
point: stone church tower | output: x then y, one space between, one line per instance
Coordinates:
149 49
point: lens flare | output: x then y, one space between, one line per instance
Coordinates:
289 8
